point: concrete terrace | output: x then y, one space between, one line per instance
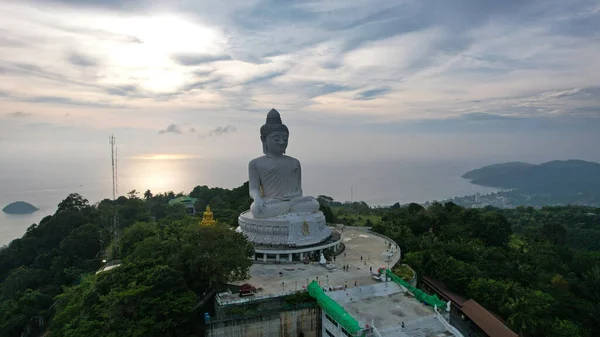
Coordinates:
383 304
275 279
371 302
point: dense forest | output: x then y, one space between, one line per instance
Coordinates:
168 263
537 268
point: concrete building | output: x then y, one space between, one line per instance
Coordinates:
387 310
186 201
379 307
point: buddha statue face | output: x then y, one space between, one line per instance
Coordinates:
275 143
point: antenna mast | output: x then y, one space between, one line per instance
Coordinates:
115 225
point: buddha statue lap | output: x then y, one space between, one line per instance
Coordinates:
276 179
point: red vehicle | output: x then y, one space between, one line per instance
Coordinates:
247 290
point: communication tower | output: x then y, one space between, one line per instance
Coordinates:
115 225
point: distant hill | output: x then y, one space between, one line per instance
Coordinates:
19 207
559 177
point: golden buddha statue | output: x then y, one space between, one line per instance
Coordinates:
207 218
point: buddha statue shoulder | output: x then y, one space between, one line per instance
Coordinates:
276 179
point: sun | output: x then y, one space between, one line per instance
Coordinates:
145 52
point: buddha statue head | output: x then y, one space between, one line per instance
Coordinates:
274 135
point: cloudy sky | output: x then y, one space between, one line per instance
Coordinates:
366 79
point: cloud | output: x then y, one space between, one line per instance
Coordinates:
81 60
171 128
371 94
69 101
19 114
220 130
123 90
194 60
351 61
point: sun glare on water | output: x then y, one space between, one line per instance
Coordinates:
159 171
164 157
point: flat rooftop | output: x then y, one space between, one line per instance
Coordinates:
359 242
370 302
382 304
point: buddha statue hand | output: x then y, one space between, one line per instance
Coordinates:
259 204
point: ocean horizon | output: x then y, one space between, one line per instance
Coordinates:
378 183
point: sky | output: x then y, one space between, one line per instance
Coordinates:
353 79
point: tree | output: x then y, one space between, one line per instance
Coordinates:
329 216
494 229
491 294
133 194
214 254
554 233
325 199
132 300
15 314
591 279
414 208
147 195
564 328
74 202
530 313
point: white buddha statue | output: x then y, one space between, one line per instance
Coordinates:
275 179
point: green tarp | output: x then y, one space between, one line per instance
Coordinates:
432 300
183 200
333 309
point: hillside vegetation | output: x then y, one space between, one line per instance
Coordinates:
537 269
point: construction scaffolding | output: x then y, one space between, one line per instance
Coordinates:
333 309
419 294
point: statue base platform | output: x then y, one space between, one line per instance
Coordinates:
291 230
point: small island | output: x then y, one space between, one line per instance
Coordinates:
19 207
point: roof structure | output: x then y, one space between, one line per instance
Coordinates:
489 323
484 319
441 289
183 200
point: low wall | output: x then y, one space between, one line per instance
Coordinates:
397 256
397 252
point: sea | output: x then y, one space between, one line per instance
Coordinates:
379 183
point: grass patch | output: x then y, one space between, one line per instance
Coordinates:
404 272
515 242
357 219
